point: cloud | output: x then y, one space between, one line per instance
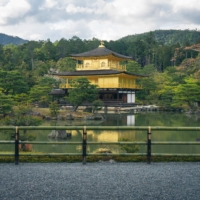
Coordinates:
13 11
72 9
48 4
103 19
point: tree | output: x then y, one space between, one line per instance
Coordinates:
66 64
40 68
13 82
97 105
6 104
49 81
137 50
82 91
187 94
166 96
40 95
61 48
21 98
22 117
49 50
54 108
29 54
149 86
133 67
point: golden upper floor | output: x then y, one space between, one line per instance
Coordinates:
100 58
103 68
100 64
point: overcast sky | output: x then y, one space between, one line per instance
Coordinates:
102 19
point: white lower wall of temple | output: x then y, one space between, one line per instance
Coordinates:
133 98
130 96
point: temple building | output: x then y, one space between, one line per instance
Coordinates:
103 68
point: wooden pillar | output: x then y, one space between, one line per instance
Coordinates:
117 95
16 145
149 145
105 109
84 145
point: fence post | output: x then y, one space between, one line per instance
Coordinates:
16 145
84 147
149 145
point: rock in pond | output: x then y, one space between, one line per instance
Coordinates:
59 134
94 117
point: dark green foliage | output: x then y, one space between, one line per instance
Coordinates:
12 82
167 37
49 82
54 108
187 94
82 91
129 148
21 98
66 64
40 93
176 87
97 105
22 117
6 104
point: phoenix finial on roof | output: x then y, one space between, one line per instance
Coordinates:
102 44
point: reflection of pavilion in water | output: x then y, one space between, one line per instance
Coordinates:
130 120
113 136
120 120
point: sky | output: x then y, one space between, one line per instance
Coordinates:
102 19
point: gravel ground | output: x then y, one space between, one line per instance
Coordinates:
102 180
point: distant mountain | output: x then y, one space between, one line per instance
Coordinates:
7 39
168 37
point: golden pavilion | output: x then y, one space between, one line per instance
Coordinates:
103 68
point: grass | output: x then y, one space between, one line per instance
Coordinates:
73 159
42 111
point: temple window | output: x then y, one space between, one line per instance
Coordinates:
103 64
87 65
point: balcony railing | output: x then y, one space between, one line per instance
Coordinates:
108 85
98 67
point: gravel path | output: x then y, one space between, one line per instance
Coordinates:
102 180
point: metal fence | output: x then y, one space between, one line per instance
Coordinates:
84 141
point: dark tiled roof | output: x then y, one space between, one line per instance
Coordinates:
100 51
57 92
96 72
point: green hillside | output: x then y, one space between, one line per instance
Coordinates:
7 39
168 37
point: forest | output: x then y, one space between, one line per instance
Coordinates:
173 80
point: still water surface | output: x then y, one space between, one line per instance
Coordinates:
140 119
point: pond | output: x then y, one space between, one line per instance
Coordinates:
139 119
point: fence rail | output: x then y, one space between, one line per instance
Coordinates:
153 128
84 142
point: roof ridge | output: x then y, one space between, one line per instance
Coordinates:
100 51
